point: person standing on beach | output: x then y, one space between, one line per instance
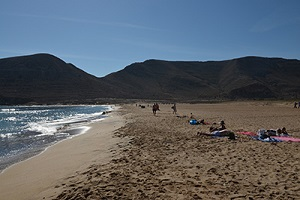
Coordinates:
174 108
155 108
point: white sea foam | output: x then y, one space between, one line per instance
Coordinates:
11 119
8 110
59 125
7 135
31 128
42 128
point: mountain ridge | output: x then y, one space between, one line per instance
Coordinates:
44 78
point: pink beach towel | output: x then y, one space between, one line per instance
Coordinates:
247 133
282 138
287 139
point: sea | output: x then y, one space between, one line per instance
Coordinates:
26 131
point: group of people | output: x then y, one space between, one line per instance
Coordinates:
215 131
295 104
155 108
282 132
263 134
220 131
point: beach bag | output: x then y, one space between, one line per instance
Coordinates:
193 122
231 136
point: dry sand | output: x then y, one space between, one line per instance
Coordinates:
166 160
161 157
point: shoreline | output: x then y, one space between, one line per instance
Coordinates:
31 155
71 131
33 177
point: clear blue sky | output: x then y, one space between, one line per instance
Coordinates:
104 36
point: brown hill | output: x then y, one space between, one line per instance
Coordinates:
43 78
243 78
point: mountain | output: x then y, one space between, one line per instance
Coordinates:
242 78
44 78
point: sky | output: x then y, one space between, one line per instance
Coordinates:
105 36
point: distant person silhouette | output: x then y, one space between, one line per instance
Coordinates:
155 108
174 108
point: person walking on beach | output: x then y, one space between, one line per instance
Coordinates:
174 108
155 108
295 105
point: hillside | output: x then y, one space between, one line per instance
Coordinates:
242 78
44 78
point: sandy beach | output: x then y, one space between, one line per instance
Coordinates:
37 177
142 156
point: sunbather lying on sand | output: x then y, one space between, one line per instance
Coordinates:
221 133
222 127
271 132
282 132
263 134
196 122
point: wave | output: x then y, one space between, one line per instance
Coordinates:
7 110
62 125
21 112
30 129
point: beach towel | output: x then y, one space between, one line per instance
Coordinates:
247 133
281 138
217 134
287 138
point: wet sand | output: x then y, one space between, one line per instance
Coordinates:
38 177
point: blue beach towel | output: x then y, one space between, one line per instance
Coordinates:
217 134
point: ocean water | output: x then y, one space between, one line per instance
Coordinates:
28 130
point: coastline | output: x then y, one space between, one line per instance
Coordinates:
39 133
141 156
31 154
35 178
